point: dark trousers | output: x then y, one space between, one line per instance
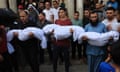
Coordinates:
49 49
57 50
5 65
31 56
84 44
14 60
75 45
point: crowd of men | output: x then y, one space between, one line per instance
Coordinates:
99 18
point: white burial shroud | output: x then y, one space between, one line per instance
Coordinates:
63 32
10 37
99 39
24 35
38 33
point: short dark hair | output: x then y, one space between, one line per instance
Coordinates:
55 1
115 53
41 2
42 13
26 12
110 8
64 9
76 12
87 9
93 12
48 2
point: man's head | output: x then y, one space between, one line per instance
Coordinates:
76 15
55 4
41 5
62 13
97 5
93 18
24 16
41 16
86 13
110 13
47 5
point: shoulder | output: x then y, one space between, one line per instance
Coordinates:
88 25
44 10
105 67
48 22
104 21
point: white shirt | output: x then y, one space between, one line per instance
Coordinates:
55 12
48 13
114 23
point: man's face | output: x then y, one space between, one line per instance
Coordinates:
41 17
86 13
55 4
23 17
62 13
97 6
110 14
47 5
41 5
76 16
93 17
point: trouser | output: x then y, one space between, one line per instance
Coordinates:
14 59
75 45
84 44
49 48
5 65
31 55
57 50
94 62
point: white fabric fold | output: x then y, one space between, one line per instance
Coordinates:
62 32
99 39
10 48
38 33
48 28
10 35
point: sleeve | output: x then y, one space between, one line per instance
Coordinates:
104 29
69 22
86 28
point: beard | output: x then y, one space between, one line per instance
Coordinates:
94 23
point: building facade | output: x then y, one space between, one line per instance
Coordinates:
72 5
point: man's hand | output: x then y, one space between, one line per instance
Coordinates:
1 58
71 30
111 38
31 34
52 32
15 34
84 38
109 27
